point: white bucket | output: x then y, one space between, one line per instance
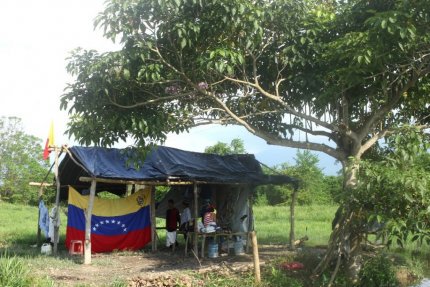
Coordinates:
238 248
46 249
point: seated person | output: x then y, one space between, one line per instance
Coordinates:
209 221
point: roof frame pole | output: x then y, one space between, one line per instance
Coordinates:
196 229
57 201
153 221
87 245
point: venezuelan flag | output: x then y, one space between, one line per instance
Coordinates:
116 224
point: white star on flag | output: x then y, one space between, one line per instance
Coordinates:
123 225
107 221
118 222
113 220
101 222
125 229
97 225
94 228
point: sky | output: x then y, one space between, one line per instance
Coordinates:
36 37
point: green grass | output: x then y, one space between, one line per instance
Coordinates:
18 227
272 223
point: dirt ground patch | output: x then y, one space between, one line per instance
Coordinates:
146 266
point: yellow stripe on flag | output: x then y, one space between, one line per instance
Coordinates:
112 207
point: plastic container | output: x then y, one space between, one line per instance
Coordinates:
212 250
238 248
46 249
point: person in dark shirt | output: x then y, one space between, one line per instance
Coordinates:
172 220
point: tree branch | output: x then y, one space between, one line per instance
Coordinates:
284 104
384 109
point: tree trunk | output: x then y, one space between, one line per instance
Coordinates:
347 235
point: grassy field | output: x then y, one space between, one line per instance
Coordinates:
18 226
272 223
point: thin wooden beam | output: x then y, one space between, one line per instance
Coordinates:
196 219
153 221
141 182
174 181
87 245
40 184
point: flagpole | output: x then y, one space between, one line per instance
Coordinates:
57 201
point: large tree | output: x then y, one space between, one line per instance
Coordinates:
20 162
341 73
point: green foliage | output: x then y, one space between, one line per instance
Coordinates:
279 278
315 187
13 273
20 162
236 147
396 190
378 272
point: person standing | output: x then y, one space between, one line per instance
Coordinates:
172 220
185 219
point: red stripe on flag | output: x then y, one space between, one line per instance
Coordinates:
46 151
133 240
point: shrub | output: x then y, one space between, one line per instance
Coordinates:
378 272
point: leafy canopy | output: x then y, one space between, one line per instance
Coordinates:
338 71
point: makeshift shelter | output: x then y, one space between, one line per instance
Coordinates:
227 181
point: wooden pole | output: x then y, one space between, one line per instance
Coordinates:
38 216
292 219
250 220
87 245
256 258
153 220
196 219
57 202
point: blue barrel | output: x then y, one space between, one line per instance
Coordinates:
238 247
212 250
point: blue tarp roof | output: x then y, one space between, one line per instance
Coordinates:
161 164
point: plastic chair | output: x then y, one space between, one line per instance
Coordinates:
76 247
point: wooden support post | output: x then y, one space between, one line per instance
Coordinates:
196 219
57 202
87 245
153 221
292 219
38 217
250 221
256 258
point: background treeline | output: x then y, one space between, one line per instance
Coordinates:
315 187
21 161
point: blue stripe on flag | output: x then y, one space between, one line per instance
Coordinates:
114 225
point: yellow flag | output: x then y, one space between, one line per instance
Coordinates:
49 141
